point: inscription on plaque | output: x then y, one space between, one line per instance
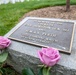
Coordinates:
46 33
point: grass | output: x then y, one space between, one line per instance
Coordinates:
11 13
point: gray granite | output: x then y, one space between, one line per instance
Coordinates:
24 55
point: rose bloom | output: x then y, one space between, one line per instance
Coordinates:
49 56
4 42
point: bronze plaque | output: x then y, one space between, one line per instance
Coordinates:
46 33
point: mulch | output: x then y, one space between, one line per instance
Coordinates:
53 12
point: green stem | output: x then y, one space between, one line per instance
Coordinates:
46 70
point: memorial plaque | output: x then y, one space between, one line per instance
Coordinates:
46 33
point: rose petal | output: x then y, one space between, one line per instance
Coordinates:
40 56
46 60
56 59
52 63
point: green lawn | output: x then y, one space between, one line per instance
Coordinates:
11 13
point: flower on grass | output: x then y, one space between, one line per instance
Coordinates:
4 42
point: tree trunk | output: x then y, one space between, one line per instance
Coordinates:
67 5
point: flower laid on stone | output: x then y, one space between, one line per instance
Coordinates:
4 42
49 57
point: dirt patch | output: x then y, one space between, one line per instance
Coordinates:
53 12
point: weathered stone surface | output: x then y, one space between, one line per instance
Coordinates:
24 55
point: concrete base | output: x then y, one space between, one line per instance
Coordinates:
23 55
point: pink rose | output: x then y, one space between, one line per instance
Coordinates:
49 56
4 42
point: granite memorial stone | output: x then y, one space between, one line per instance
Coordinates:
25 39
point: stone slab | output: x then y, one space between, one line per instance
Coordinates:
24 55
